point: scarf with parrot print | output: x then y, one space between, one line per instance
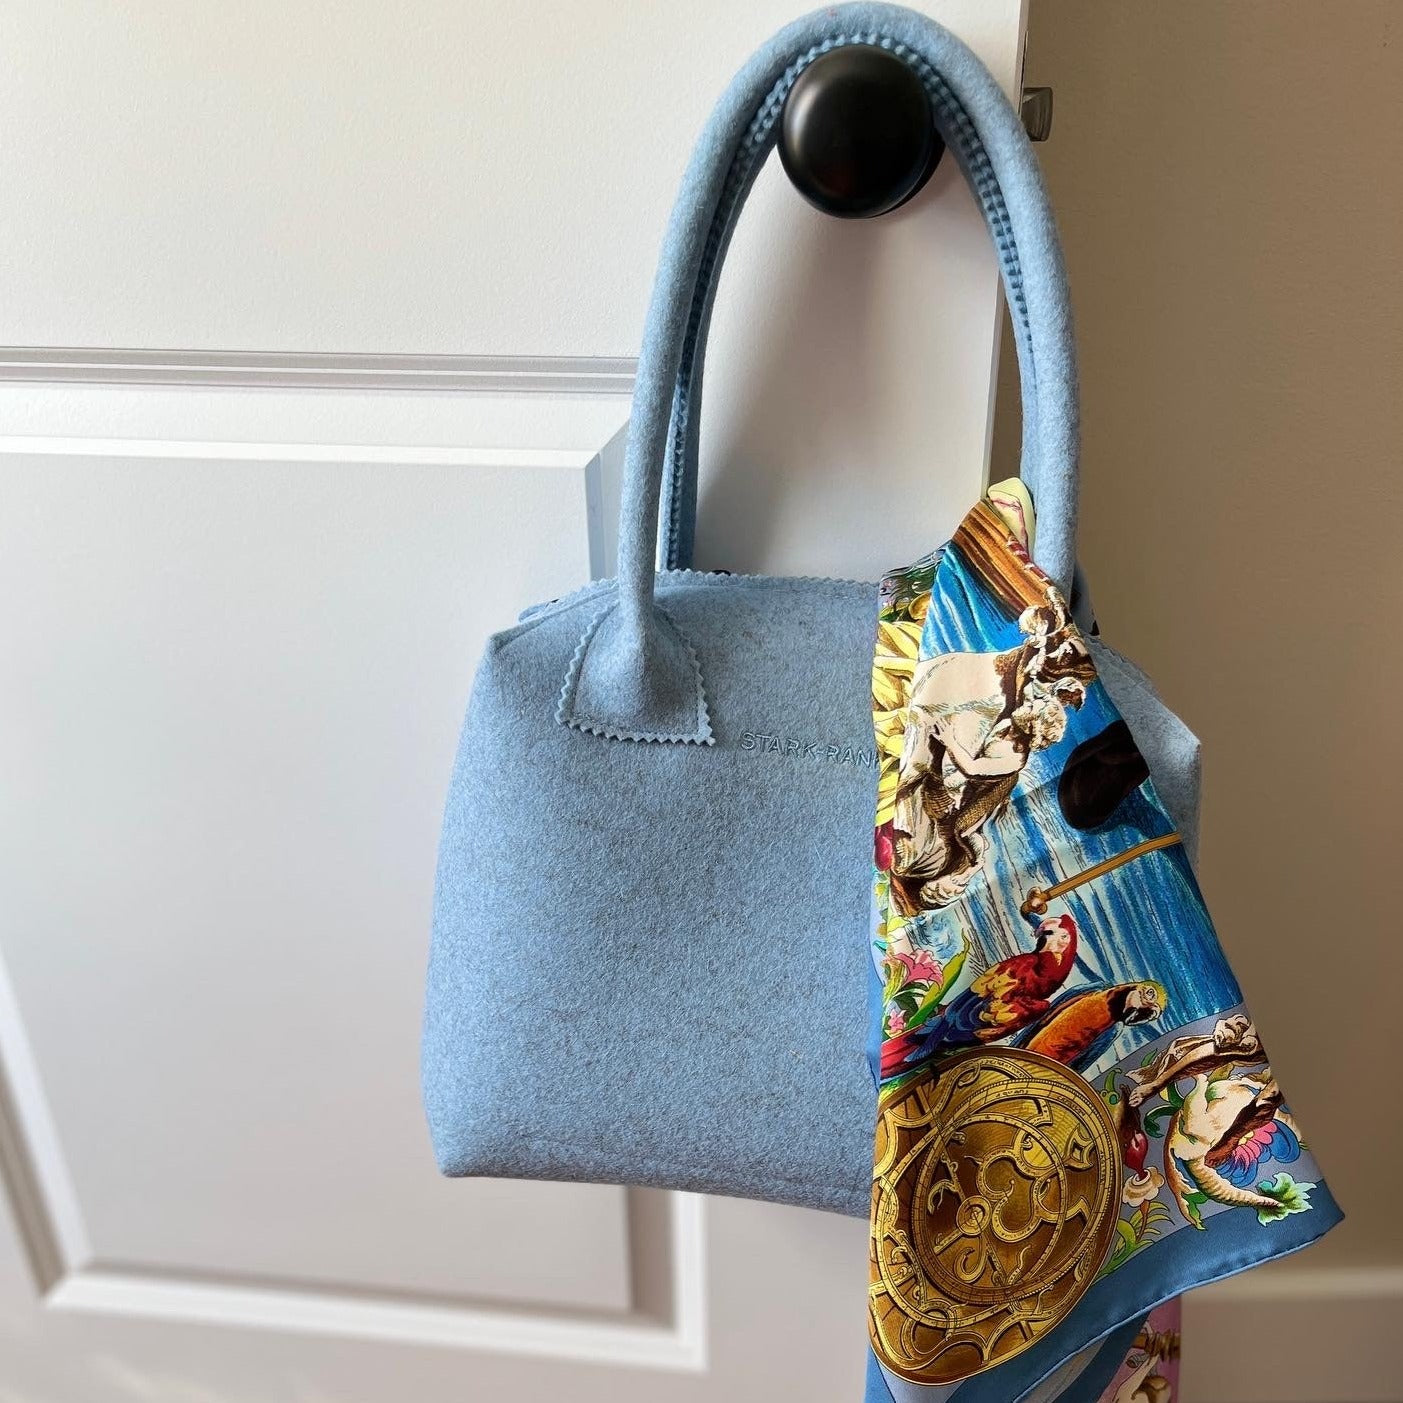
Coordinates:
1076 1118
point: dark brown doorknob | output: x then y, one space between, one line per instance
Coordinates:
857 137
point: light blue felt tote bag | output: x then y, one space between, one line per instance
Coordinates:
617 864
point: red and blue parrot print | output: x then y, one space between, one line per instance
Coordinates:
1003 1000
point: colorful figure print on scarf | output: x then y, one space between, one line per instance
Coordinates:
1076 1117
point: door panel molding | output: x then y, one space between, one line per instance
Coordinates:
529 375
667 1333
662 1326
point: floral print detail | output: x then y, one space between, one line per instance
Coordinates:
1274 1140
918 966
1142 1187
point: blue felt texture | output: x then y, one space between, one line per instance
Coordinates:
650 951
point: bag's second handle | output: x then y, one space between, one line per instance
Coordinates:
633 676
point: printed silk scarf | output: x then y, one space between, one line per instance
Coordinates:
1076 1118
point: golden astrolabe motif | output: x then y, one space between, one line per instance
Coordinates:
995 1193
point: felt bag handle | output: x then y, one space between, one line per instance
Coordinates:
633 676
1052 353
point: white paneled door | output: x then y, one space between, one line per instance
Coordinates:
402 254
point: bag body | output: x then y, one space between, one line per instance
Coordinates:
649 959
652 985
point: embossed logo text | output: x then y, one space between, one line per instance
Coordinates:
765 744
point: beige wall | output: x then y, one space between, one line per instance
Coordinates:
1229 181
